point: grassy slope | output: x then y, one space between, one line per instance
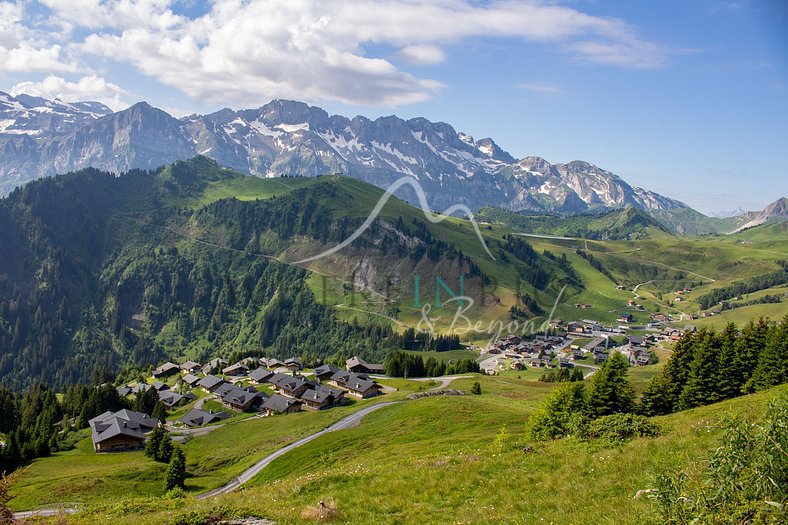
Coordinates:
628 223
436 460
82 476
705 262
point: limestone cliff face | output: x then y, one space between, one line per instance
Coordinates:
293 138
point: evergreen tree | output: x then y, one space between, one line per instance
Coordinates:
176 472
9 410
772 367
658 397
476 389
702 385
560 413
749 346
730 372
146 401
153 443
610 391
166 447
677 368
159 412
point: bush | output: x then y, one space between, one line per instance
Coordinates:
620 428
748 475
476 389
561 413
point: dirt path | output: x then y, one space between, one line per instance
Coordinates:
444 381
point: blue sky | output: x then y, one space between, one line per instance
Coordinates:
687 98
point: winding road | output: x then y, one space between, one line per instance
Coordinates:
346 422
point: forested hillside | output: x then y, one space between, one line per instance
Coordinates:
99 271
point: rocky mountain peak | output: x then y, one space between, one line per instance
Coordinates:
488 147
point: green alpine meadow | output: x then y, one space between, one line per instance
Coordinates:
394 262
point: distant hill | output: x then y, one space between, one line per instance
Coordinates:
626 224
775 212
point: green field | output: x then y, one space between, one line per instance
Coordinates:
407 463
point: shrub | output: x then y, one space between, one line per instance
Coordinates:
476 389
748 475
620 428
560 414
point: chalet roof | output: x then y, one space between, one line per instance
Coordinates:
357 361
277 376
214 364
240 397
158 385
141 387
343 376
190 365
123 391
210 382
170 398
278 403
165 368
317 396
261 374
336 392
287 382
115 427
272 362
293 361
361 385
124 422
234 368
224 388
190 379
326 369
197 417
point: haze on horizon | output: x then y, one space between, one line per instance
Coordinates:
689 99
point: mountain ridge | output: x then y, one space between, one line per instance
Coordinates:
294 138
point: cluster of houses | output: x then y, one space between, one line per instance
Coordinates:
327 387
558 350
539 352
233 386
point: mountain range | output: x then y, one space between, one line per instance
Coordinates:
41 137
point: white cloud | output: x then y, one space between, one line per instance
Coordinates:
248 51
540 88
11 28
27 58
86 88
422 55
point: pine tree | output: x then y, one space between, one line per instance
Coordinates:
166 447
610 391
153 443
677 368
702 382
176 472
749 346
772 367
658 397
9 410
159 412
476 389
730 372
559 413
